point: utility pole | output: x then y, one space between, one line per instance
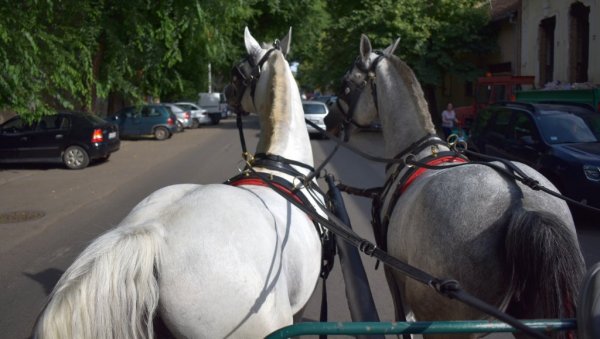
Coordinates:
209 80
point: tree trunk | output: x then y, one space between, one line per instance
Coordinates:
436 117
98 104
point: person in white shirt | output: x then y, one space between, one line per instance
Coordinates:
448 120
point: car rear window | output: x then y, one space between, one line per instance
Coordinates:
184 106
93 119
175 109
314 109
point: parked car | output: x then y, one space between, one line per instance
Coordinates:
560 141
72 138
315 112
154 119
199 115
184 117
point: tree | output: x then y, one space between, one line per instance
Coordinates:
65 54
45 58
435 36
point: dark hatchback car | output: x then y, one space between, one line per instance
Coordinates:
560 141
136 121
73 138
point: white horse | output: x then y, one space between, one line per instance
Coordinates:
213 261
511 246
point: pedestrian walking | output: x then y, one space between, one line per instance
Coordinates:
448 120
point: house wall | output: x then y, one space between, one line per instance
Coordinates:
508 44
533 12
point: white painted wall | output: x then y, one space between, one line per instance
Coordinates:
533 12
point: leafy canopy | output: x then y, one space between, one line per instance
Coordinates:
65 54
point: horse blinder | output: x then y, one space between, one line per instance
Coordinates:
351 89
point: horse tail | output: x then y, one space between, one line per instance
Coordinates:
110 291
547 266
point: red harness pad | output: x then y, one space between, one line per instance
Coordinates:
260 182
434 162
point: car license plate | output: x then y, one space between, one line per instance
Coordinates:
112 135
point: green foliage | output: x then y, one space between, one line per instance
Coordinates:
435 35
63 54
45 58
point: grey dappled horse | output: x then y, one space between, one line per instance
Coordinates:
512 246
213 261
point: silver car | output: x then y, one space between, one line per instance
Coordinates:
315 112
184 118
200 116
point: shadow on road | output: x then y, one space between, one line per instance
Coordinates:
47 278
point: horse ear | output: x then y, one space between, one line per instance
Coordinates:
365 49
391 48
252 46
285 43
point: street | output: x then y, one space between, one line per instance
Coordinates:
66 210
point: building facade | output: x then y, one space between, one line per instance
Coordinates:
560 41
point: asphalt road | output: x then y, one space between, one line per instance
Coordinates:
73 207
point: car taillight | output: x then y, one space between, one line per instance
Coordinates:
170 121
97 135
187 115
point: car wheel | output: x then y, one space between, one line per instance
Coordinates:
179 126
75 157
161 133
195 123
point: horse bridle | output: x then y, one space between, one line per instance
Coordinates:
351 89
243 75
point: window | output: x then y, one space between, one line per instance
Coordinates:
561 127
500 92
579 42
500 124
524 128
48 123
16 126
483 94
150 111
546 52
314 109
127 112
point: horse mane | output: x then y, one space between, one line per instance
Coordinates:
280 110
415 91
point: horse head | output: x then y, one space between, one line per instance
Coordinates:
262 83
357 94
247 74
380 84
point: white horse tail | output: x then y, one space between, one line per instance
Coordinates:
547 266
110 291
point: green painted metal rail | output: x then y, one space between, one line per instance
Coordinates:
423 327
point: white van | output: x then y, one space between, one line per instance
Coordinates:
213 102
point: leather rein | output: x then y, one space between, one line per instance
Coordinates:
446 287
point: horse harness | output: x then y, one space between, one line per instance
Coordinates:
403 176
244 74
250 177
